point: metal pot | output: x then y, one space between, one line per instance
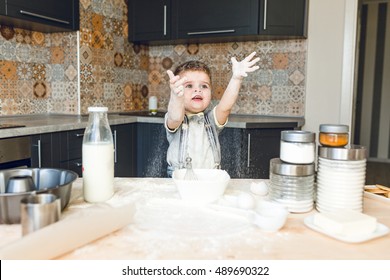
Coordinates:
46 180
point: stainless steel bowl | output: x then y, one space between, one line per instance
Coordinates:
46 180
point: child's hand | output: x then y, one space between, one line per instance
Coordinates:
240 69
176 83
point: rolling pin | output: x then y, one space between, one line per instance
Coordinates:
68 234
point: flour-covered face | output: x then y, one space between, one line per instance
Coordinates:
197 91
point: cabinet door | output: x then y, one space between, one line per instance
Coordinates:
125 150
262 145
232 152
152 146
42 15
217 18
45 151
149 20
283 18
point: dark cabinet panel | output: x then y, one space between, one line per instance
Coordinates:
41 15
149 20
125 150
283 18
246 153
152 146
45 150
223 18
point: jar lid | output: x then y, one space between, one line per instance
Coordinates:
277 166
353 152
298 136
97 109
334 128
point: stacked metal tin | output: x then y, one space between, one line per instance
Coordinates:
292 175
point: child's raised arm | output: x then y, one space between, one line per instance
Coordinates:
176 102
240 70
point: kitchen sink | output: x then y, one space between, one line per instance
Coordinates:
159 114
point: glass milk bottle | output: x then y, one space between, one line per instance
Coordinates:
98 157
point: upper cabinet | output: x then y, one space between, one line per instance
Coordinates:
283 18
149 20
41 15
202 19
186 21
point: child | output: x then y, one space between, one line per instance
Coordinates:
192 131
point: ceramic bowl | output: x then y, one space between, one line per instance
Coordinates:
270 216
209 186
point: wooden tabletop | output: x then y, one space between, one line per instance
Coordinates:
166 227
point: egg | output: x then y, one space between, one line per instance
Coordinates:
260 188
246 201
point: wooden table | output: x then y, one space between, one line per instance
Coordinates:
166 227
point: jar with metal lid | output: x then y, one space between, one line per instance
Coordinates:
334 135
292 185
340 178
297 146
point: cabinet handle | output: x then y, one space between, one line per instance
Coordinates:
79 134
38 145
78 164
115 157
43 17
265 15
165 20
211 32
249 151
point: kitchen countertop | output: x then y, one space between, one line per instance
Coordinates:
46 123
165 227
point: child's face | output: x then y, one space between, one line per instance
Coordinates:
197 91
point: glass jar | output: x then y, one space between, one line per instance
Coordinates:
292 185
297 146
334 135
98 157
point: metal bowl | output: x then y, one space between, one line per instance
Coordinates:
46 180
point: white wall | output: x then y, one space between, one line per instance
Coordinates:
330 63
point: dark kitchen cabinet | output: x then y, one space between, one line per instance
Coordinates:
187 21
64 150
45 150
149 20
41 15
283 18
246 153
219 18
152 146
125 149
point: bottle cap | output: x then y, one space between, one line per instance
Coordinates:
97 109
334 128
297 136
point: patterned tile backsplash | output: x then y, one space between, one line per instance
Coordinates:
97 66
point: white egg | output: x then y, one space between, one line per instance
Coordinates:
246 201
260 188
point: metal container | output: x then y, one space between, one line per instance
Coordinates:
46 180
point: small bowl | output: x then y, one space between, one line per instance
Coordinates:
20 184
270 216
209 187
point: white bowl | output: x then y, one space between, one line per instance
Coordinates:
270 216
209 186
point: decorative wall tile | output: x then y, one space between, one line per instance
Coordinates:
40 71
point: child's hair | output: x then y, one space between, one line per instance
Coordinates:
193 65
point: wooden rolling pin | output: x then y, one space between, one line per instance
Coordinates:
68 234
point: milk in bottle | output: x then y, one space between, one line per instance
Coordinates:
98 157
